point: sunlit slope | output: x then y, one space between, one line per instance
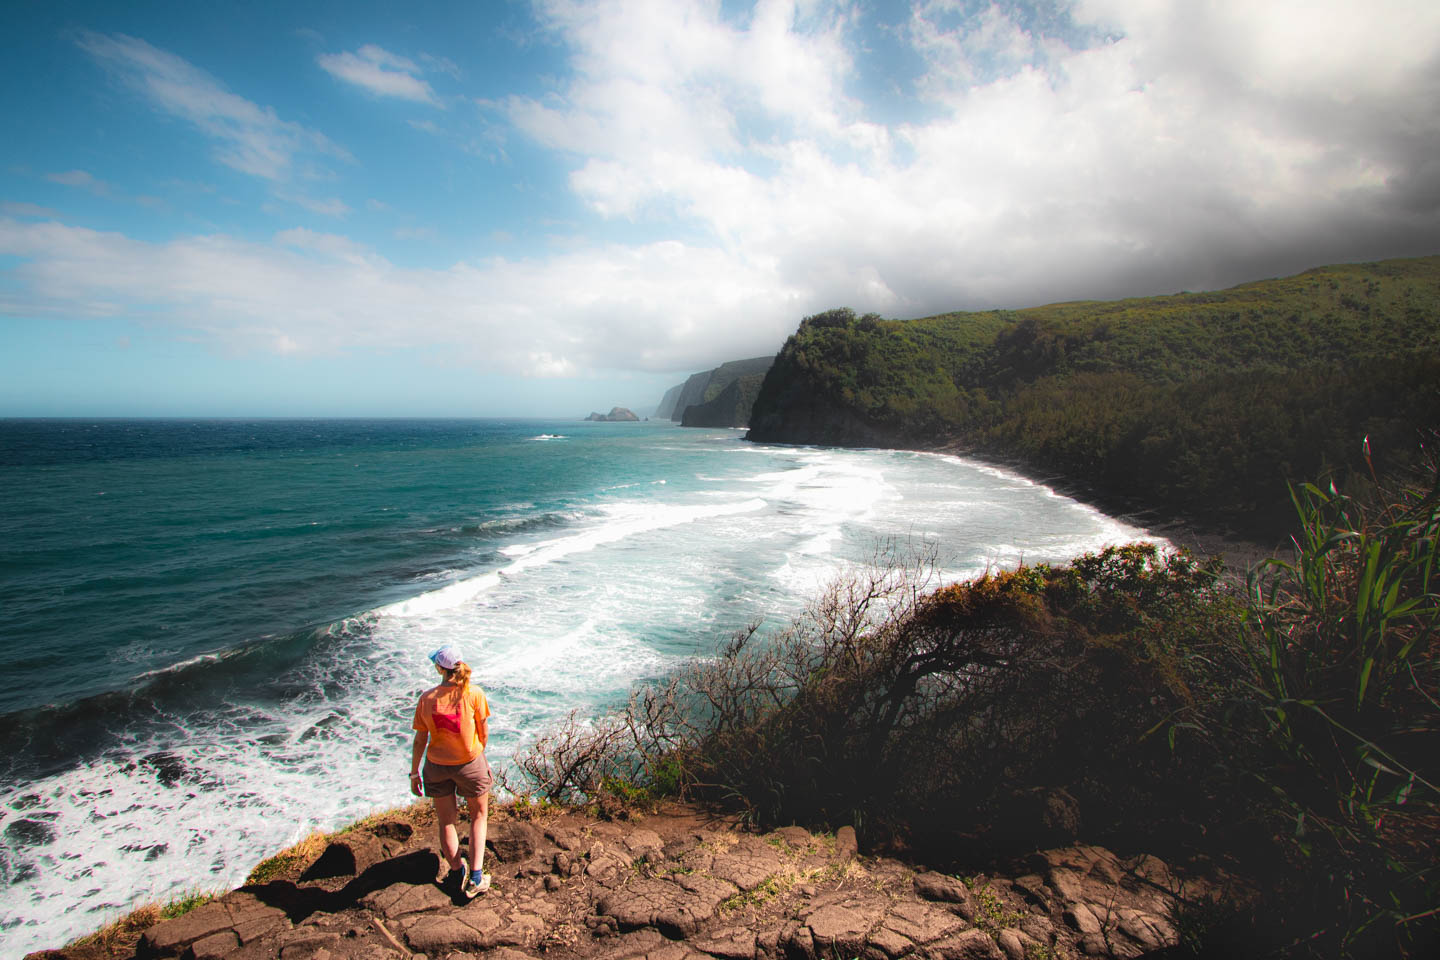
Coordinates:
1196 403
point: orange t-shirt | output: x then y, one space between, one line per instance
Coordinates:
455 738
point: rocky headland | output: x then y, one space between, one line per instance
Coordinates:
722 397
616 415
674 885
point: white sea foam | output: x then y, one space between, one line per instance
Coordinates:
625 520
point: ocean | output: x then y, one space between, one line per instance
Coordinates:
212 632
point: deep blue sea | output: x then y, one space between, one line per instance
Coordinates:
212 632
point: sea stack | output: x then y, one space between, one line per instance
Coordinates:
616 414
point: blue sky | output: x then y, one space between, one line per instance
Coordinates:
545 208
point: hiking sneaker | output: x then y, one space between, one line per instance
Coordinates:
464 873
474 888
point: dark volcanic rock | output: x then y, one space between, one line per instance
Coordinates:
616 415
674 908
677 888
513 840
346 856
937 886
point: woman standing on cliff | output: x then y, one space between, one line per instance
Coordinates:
450 734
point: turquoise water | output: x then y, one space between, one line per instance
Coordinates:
212 632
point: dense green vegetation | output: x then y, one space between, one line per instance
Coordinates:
729 407
1192 404
1289 732
704 389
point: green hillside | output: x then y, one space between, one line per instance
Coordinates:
1198 403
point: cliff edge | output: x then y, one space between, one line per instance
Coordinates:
704 390
676 885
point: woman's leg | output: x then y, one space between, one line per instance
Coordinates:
479 820
447 814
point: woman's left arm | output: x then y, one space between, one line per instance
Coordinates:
417 753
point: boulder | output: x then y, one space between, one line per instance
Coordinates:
839 930
564 839
644 843
921 923
307 944
1016 945
967 945
403 899
676 907
170 937
736 944
938 886
523 930
888 944
397 830
747 868
1080 918
346 856
797 943
439 935
511 841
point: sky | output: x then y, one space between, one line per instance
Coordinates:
511 208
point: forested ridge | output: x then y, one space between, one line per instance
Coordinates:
1196 404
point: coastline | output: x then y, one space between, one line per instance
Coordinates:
1239 551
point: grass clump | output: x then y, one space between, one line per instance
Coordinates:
527 806
773 886
123 934
294 857
1035 950
991 914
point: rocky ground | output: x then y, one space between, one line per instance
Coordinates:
676 885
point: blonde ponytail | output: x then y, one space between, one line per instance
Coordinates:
459 675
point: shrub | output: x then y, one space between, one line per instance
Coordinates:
1345 684
890 707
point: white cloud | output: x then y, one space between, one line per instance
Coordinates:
81 179
326 207
1193 149
1206 145
443 65
659 307
249 138
382 73
28 210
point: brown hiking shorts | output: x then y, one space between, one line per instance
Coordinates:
469 780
